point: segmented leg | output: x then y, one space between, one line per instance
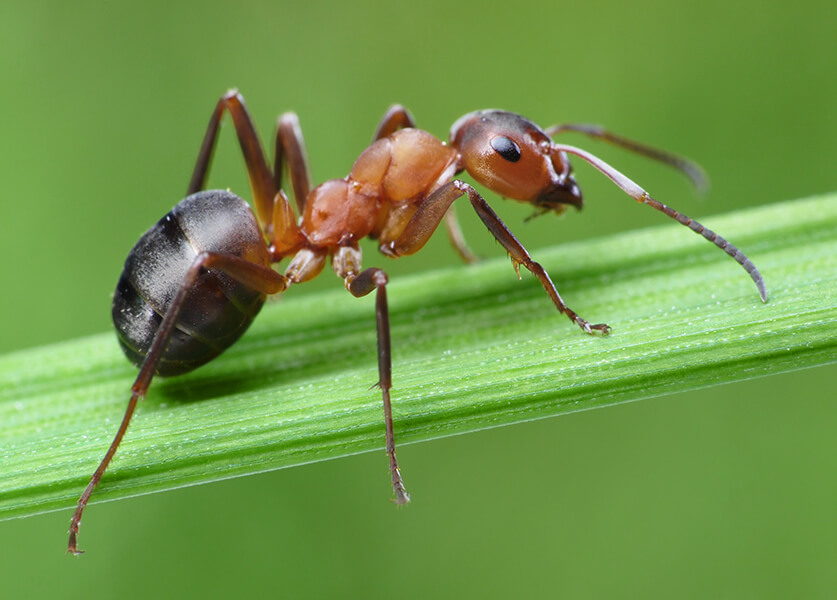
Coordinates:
255 276
290 147
361 285
346 264
261 179
457 238
394 119
425 220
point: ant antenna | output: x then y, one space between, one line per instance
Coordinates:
627 185
691 169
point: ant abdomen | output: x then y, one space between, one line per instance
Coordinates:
218 309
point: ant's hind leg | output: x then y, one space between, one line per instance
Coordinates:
261 179
256 276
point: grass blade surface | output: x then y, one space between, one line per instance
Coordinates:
473 348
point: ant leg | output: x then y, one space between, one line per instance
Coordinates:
520 256
290 146
429 214
691 169
259 277
346 262
394 119
286 237
457 239
363 284
261 179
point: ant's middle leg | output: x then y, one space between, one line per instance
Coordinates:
346 263
290 146
428 215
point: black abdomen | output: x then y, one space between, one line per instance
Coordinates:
217 310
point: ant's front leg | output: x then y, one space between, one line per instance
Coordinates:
346 263
428 215
396 118
520 256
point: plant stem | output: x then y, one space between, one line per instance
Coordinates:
473 348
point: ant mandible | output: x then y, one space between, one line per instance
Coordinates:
194 282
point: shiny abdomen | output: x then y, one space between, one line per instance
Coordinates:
217 310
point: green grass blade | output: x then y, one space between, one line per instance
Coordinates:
473 348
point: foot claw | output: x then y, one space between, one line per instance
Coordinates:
401 497
602 328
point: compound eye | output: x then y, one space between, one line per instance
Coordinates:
506 148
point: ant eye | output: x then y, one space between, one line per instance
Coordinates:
506 148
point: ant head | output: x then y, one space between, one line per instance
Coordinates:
514 157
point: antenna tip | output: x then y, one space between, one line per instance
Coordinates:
762 289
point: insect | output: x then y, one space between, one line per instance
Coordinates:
194 282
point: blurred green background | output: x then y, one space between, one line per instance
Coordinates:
724 493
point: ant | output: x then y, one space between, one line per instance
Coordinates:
194 282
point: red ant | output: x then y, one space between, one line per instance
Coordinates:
194 282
